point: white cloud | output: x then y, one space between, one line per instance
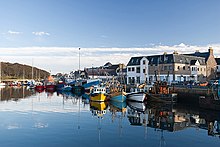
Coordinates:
14 32
65 59
41 33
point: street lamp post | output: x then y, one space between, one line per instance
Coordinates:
79 62
79 58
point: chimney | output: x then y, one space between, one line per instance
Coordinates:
210 51
175 52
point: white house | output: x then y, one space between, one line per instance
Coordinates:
137 70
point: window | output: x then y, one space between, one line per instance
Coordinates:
144 62
198 69
170 67
165 67
129 69
129 80
133 80
132 68
184 67
138 79
178 67
138 70
192 68
144 71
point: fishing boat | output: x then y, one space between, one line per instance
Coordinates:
67 88
160 92
39 86
60 85
50 85
89 84
98 94
136 96
118 96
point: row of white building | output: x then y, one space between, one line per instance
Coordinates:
198 66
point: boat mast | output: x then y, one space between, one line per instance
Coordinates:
79 63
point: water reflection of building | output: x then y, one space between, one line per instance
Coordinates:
201 118
166 118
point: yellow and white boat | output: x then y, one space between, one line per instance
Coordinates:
98 94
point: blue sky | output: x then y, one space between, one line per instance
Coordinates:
108 24
112 23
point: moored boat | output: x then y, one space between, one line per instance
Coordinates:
60 85
67 88
39 86
118 96
160 92
136 96
98 94
50 85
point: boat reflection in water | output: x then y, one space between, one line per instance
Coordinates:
118 111
137 113
98 110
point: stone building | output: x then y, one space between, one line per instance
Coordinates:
172 67
210 62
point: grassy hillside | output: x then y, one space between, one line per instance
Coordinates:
20 71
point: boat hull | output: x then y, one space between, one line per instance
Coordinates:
39 88
118 98
50 87
99 97
67 88
138 97
162 97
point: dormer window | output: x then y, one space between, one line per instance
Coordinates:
144 62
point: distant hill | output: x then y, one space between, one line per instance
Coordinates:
20 71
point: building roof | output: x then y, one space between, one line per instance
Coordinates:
185 59
193 62
198 54
167 59
108 64
134 61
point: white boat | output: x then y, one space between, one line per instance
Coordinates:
136 96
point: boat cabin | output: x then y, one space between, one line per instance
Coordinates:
98 89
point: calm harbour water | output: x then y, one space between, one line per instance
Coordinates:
30 118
